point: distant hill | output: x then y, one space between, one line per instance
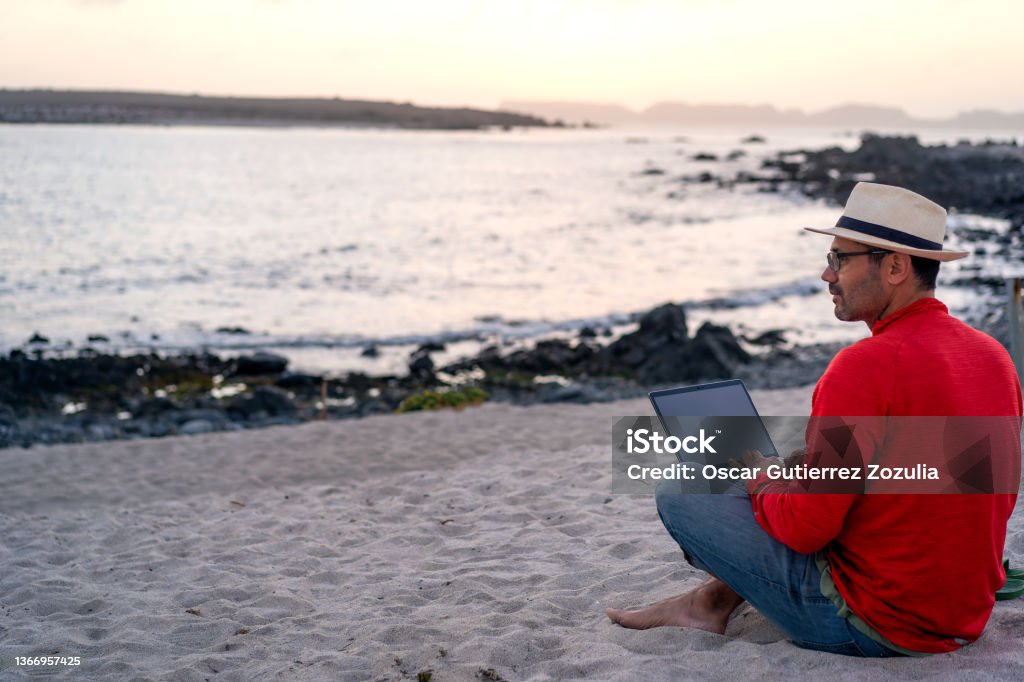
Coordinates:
85 106
864 115
575 112
718 114
856 116
988 118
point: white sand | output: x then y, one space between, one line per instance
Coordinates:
452 542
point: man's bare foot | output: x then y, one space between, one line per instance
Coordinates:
707 607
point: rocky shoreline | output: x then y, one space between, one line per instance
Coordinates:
986 178
93 397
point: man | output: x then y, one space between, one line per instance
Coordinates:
867 574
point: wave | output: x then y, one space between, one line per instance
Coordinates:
484 328
807 286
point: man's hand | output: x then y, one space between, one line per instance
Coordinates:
796 458
753 459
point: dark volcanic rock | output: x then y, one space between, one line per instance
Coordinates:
104 382
489 359
653 349
431 347
154 407
196 426
260 363
298 380
549 357
715 353
164 396
420 364
987 179
772 337
265 401
359 382
666 320
659 351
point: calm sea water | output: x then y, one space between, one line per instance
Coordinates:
321 241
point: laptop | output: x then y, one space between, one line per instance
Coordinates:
723 409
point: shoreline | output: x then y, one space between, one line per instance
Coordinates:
91 396
102 397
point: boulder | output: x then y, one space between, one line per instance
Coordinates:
265 401
298 380
211 415
715 353
420 364
195 426
653 353
260 363
431 347
154 407
772 337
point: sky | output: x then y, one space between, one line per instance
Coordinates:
933 58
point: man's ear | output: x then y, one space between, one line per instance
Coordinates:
899 269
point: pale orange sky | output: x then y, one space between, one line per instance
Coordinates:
930 57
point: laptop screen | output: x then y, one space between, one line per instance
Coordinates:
686 410
722 399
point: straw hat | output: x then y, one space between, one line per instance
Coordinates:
893 218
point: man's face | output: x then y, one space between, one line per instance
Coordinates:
857 289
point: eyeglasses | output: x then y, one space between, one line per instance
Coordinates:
835 258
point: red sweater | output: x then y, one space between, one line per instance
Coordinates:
921 570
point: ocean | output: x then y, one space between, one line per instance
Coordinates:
317 243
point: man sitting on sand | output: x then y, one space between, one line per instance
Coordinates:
866 574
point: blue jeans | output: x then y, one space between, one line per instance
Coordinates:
718 534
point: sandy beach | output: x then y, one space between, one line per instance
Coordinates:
481 544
